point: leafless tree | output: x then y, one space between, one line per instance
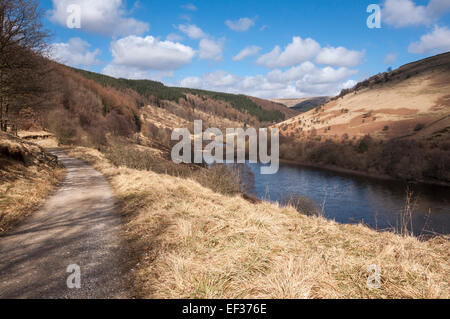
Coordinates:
23 43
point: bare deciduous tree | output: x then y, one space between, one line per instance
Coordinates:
22 46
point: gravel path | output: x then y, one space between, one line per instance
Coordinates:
78 225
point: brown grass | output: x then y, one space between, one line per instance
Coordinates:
23 186
190 242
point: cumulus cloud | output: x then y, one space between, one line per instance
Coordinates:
403 13
150 53
305 79
134 56
291 74
192 31
339 56
247 52
437 41
126 72
105 17
298 51
75 53
210 49
241 25
135 73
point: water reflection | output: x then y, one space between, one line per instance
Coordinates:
354 199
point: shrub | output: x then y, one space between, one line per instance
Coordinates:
63 126
119 125
302 204
219 178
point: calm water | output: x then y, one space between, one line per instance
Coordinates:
354 199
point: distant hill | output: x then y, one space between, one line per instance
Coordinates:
160 92
275 106
310 103
394 124
413 100
290 102
302 105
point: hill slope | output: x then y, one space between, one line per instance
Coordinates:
394 124
310 103
413 100
159 92
88 108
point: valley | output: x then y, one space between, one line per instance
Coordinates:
114 136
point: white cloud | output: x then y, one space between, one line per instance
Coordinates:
296 52
210 49
134 56
106 17
191 82
247 52
192 31
339 56
303 80
126 72
291 74
243 24
75 53
349 84
220 79
390 58
135 73
160 75
189 6
403 13
437 41
328 75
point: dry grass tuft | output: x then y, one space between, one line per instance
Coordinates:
27 176
190 242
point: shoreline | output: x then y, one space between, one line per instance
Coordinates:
362 174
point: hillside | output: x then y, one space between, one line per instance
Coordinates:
290 102
310 103
159 92
393 124
302 105
87 108
274 106
413 100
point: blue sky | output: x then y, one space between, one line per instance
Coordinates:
264 48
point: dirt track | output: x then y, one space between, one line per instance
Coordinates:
77 225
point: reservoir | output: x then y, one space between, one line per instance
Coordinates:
349 198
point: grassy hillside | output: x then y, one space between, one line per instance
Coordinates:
211 245
395 124
388 105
